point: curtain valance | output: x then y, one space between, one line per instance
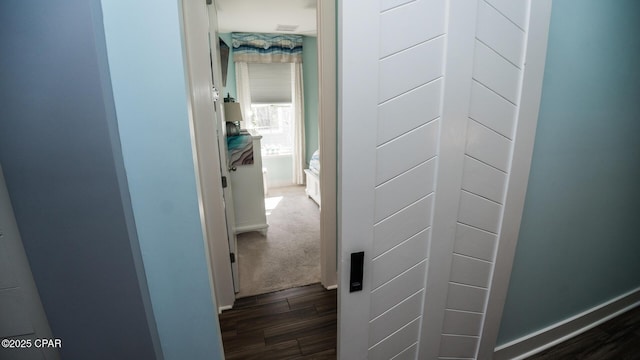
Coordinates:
266 48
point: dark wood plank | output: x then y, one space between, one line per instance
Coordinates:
317 343
268 327
283 294
618 338
269 320
283 350
294 330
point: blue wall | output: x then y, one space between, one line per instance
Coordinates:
579 245
144 48
64 172
310 78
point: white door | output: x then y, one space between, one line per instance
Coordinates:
22 317
433 100
222 145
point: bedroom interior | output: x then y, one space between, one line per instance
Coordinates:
276 194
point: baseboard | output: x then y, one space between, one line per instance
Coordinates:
552 335
223 308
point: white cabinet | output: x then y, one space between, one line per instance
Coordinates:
248 194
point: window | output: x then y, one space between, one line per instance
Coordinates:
275 123
271 108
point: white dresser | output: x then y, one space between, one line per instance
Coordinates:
247 185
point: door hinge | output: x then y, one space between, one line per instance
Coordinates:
224 182
233 257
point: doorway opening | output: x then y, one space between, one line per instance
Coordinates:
289 246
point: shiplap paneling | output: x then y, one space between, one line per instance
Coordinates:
409 111
401 72
410 68
475 242
458 346
488 146
493 105
515 10
390 294
411 24
479 212
470 271
491 110
496 73
402 225
393 157
389 4
462 323
483 180
404 189
399 340
409 353
500 34
394 319
466 298
399 259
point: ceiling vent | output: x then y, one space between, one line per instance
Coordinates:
286 28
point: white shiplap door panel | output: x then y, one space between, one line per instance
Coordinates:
479 212
393 157
389 4
496 73
500 34
483 180
402 72
458 346
411 24
394 344
466 298
470 271
488 146
404 189
392 293
409 353
399 259
409 111
515 10
462 323
396 318
402 225
435 92
491 110
474 242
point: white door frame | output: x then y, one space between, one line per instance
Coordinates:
195 25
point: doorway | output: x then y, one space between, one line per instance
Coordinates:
299 246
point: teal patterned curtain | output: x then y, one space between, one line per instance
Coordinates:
266 48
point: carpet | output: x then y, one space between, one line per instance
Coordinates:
289 255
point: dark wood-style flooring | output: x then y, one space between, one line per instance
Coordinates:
297 323
300 323
616 339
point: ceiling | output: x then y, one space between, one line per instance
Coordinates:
264 16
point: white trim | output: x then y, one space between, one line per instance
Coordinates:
458 73
543 339
531 91
331 287
206 157
326 20
260 227
223 308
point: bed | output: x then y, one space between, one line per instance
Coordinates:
313 178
